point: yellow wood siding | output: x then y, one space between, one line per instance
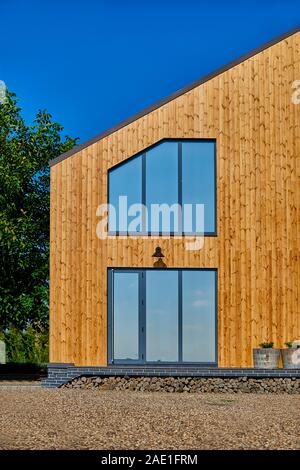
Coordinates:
248 110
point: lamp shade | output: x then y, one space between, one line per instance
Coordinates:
158 253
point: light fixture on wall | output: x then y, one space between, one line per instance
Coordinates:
159 255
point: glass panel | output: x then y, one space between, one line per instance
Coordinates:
162 187
126 316
162 316
198 315
125 180
198 182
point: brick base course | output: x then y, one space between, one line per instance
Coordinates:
179 379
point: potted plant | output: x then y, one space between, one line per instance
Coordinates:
291 355
266 357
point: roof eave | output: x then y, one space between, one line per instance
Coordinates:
174 95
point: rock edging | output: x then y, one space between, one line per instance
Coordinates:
189 384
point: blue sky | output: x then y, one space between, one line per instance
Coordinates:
94 63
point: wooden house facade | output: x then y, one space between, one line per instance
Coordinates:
230 141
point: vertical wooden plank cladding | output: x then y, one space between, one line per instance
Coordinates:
294 238
53 339
103 261
248 110
73 356
68 258
59 260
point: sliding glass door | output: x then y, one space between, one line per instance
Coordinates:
198 319
126 322
163 316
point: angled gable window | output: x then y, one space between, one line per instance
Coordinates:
125 191
170 188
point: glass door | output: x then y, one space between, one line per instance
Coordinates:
198 318
125 321
162 316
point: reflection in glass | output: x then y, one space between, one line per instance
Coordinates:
162 316
198 182
198 315
126 316
125 180
162 185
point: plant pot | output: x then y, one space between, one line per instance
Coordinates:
291 358
266 358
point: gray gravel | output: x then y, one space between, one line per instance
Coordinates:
35 418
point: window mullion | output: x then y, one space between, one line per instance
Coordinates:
180 186
142 316
180 315
144 212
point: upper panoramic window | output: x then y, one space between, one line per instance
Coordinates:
168 189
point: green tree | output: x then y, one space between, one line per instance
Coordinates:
25 152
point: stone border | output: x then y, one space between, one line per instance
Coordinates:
189 384
61 373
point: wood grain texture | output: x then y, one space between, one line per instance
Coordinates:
248 110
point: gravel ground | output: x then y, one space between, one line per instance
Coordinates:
35 418
18 383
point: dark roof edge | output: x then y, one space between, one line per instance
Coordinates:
174 95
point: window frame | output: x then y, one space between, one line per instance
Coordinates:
142 154
142 319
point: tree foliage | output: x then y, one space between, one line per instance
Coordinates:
27 345
25 152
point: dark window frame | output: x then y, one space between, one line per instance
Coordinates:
142 154
142 319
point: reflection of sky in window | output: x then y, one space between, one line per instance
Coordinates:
198 180
125 180
162 316
126 314
162 181
198 295
198 187
198 312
